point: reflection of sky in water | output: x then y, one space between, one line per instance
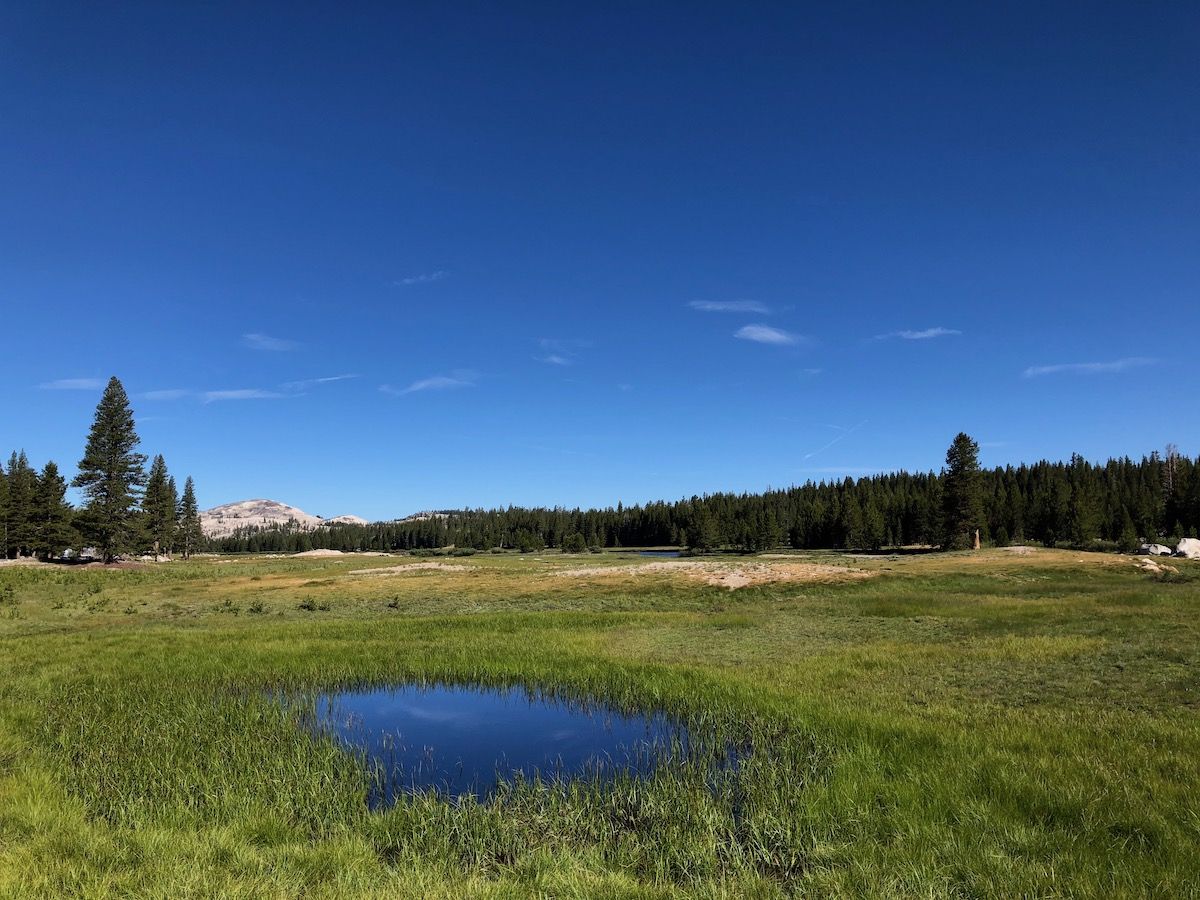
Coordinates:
459 740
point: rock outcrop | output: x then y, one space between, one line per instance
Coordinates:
1188 548
224 520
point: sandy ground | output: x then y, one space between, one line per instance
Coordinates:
22 561
410 567
726 575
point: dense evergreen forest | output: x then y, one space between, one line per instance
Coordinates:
125 510
1117 504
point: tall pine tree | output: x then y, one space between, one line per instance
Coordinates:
190 534
22 486
962 494
52 514
3 514
158 508
111 475
173 496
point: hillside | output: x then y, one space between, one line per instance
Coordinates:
347 520
224 520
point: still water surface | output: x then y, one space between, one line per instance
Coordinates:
459 739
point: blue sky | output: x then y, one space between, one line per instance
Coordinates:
375 259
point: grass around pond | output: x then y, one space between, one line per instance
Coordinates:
984 724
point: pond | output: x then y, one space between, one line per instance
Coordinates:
669 554
459 740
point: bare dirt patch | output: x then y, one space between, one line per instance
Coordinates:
410 567
725 575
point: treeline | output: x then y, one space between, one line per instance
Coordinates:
1117 504
125 510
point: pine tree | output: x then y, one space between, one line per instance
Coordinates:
111 475
22 486
189 535
3 514
874 531
52 514
851 523
962 498
702 535
1127 539
1083 512
158 508
1054 510
767 534
173 500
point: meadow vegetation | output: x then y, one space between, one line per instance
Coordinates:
964 724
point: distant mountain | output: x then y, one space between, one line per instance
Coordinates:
347 520
428 514
224 520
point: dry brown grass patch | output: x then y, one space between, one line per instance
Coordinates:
721 574
411 567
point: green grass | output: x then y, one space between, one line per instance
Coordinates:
959 726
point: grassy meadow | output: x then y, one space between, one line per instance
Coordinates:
992 724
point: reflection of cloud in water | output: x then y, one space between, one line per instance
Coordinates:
463 739
426 714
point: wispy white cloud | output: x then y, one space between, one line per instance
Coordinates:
765 334
256 341
734 306
811 372
72 384
460 378
168 394
923 335
241 394
290 387
1090 368
844 433
424 278
560 351
306 383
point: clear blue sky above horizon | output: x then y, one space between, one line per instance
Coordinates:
380 258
